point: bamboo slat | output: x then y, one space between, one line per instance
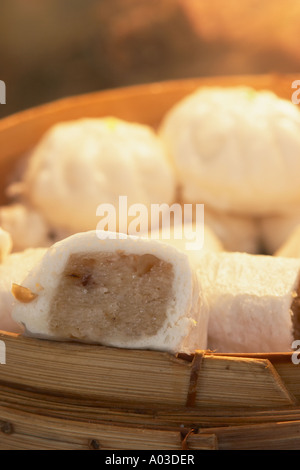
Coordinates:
266 436
147 378
99 373
74 434
228 381
47 400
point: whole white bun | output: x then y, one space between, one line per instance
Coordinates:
81 164
26 227
236 149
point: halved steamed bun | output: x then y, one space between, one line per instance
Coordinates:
116 290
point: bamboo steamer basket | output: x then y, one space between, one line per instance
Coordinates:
56 395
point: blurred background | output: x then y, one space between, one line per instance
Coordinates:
51 49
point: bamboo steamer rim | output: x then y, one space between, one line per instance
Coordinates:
273 357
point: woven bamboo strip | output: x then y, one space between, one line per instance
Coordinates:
35 431
266 436
76 433
107 374
290 374
240 381
146 377
158 417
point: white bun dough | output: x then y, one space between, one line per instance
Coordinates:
99 305
250 301
81 164
235 149
14 268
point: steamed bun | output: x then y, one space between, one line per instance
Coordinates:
235 149
26 227
81 164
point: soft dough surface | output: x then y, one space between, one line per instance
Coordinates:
236 149
123 291
250 301
15 267
81 164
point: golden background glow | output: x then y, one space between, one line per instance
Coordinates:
53 48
